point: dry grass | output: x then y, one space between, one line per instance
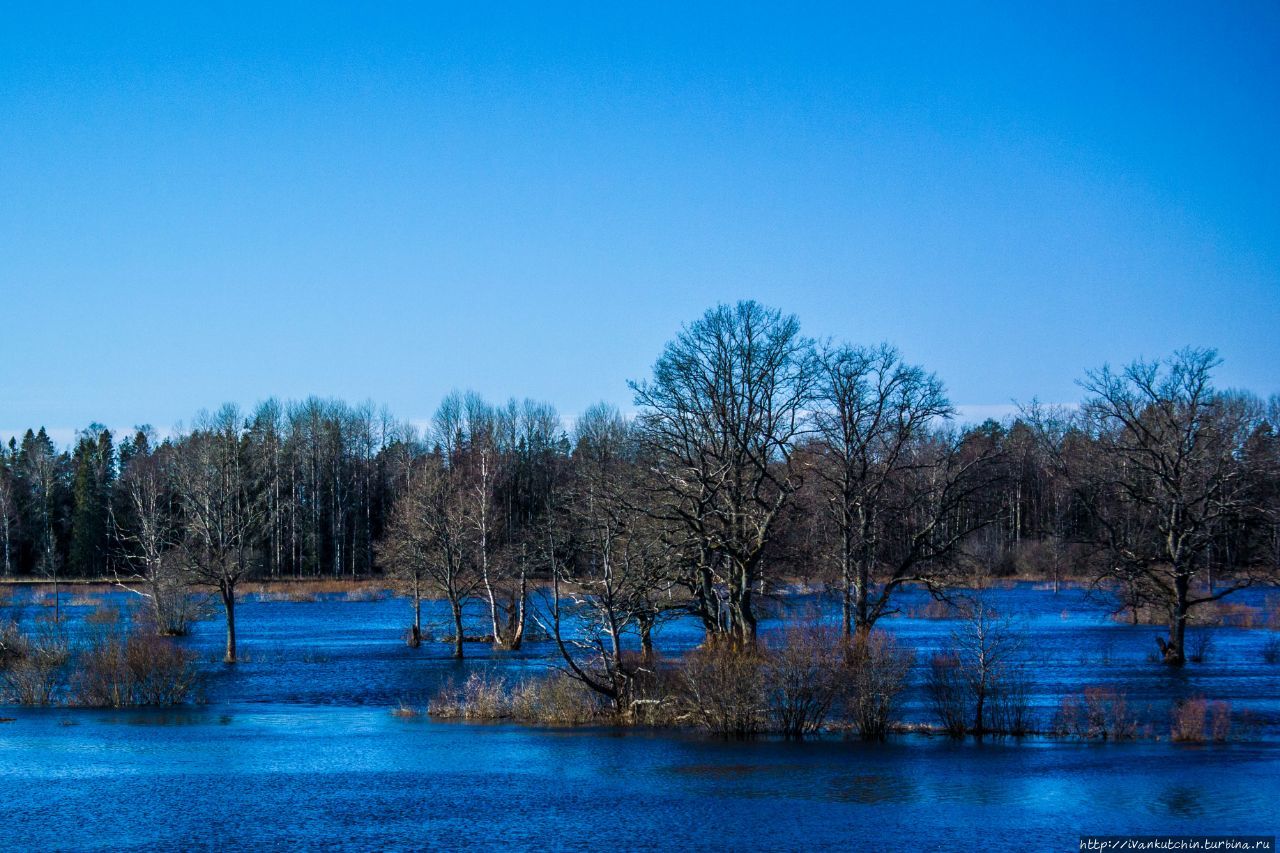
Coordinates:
551 700
310 591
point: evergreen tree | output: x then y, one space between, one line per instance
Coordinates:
94 473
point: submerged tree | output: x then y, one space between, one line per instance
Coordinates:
426 545
1163 481
874 412
615 567
221 510
720 419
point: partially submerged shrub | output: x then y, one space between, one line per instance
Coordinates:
877 672
482 697
1011 711
1100 712
1199 646
947 688
1196 720
978 685
1271 650
1230 614
130 666
32 663
802 675
555 699
933 609
724 688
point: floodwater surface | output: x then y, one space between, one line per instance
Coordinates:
297 747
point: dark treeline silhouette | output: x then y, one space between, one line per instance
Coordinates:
757 457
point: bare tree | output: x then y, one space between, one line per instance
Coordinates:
8 513
426 546
616 567
720 419
873 412
1164 480
151 537
221 512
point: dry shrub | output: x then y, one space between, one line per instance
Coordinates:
483 696
947 686
1199 646
655 692
1011 711
1100 712
933 609
1230 614
125 667
877 672
312 590
724 688
1271 612
1188 721
365 593
32 663
103 616
802 677
1219 721
1196 720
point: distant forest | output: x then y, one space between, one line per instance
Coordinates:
757 457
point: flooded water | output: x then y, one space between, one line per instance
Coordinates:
296 747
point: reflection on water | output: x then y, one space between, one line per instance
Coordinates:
873 789
1181 801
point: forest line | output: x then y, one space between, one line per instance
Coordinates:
757 454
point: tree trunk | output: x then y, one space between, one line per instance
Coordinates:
1175 650
708 604
517 631
457 628
416 639
229 605
846 575
646 640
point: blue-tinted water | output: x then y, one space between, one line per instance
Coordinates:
296 746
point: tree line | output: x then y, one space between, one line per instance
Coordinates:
757 457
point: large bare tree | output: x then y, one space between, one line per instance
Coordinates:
873 413
720 418
1164 481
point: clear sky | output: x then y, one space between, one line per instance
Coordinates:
204 202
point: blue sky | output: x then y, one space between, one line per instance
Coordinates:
223 203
